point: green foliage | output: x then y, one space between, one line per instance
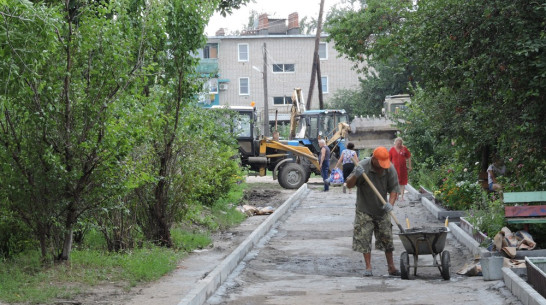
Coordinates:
367 35
93 240
187 241
23 279
368 99
428 177
488 219
477 73
92 102
524 173
59 159
225 210
459 189
203 168
15 237
148 264
226 7
537 231
478 86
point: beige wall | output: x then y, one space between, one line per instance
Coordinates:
286 49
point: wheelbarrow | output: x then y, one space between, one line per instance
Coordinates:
419 241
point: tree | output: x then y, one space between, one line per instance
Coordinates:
226 7
368 99
61 87
308 25
369 35
483 62
175 138
74 74
478 66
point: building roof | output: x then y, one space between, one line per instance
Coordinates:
267 36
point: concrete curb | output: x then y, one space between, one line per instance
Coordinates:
441 213
467 240
431 207
519 287
207 286
523 291
457 232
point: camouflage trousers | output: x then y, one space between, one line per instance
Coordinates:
365 226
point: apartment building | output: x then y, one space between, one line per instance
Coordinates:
276 47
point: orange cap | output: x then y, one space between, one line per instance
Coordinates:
382 156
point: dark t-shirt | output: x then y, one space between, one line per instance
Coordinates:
366 199
326 162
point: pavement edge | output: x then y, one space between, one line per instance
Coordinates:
519 287
208 285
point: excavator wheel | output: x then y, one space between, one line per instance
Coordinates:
292 176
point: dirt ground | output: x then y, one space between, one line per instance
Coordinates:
308 259
296 266
170 289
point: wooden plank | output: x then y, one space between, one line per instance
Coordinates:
525 211
516 197
527 220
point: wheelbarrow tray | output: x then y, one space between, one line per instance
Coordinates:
424 240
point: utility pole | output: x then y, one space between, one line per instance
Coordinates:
319 83
316 61
266 102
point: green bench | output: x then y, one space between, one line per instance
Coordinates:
524 214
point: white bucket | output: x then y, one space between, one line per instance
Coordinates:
492 267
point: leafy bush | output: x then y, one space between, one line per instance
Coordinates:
15 237
524 174
489 219
458 191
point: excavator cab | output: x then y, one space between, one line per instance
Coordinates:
246 130
321 124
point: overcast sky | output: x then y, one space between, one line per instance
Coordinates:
274 8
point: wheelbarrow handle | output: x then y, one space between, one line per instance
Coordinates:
382 200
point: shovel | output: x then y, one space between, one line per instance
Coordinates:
382 201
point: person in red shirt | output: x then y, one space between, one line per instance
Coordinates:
400 156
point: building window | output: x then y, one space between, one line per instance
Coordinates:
284 68
323 50
243 51
210 50
244 86
282 100
324 80
212 86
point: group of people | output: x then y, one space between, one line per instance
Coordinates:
388 172
399 155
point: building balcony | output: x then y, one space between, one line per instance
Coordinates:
208 66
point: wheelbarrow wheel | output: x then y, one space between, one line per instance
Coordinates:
404 265
445 265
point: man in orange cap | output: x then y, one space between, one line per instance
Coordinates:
372 216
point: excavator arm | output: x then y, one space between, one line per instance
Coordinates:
342 130
300 151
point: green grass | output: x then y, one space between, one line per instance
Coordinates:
18 283
224 211
188 241
24 279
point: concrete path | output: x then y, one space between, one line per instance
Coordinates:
308 259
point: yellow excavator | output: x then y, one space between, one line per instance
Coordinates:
293 161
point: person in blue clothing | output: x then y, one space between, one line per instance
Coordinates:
348 158
324 163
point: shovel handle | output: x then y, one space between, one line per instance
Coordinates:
382 200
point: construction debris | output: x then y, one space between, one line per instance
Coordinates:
250 210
